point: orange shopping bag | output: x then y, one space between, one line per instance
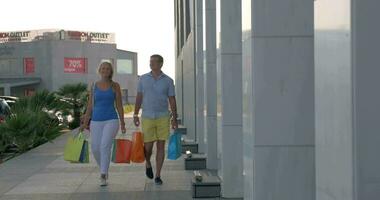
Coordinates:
137 155
121 152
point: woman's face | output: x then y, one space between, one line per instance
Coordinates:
105 71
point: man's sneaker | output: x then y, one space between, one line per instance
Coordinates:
158 181
149 172
103 182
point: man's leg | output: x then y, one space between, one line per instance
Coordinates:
149 131
148 147
163 130
160 156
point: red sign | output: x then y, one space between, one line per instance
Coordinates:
29 65
75 65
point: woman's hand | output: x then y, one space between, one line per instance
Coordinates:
122 127
84 123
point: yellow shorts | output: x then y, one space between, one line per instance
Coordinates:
155 129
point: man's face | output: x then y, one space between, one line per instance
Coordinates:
155 64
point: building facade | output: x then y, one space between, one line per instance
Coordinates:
281 95
49 59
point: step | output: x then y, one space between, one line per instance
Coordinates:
195 162
207 187
189 146
182 130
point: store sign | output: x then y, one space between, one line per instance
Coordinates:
55 34
96 37
75 65
29 65
19 36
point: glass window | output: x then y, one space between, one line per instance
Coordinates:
124 66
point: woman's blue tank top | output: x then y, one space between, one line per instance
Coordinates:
104 105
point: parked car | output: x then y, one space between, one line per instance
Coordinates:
9 99
5 110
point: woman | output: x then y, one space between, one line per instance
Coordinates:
104 95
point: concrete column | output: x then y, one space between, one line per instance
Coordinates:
347 100
200 130
281 126
210 85
230 75
7 90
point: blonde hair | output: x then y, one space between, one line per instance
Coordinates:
108 64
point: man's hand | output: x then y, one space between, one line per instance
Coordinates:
174 123
136 120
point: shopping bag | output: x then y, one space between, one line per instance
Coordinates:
121 151
174 146
73 147
137 155
84 156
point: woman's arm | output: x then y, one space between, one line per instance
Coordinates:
88 113
119 105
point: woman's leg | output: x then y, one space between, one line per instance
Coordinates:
96 138
110 130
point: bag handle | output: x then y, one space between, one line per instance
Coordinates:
78 134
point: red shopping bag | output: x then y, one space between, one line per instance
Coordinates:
138 155
121 152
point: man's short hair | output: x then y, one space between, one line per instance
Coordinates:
159 57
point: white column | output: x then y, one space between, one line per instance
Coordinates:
283 100
230 75
210 85
7 90
347 100
200 130
333 100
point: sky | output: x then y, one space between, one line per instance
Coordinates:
142 26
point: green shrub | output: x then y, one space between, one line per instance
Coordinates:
33 121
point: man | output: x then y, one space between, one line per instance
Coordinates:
154 91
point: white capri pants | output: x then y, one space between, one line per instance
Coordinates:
102 135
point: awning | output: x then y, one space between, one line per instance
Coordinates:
15 82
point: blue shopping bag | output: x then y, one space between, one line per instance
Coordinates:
84 156
174 147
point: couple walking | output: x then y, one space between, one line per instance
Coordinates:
104 115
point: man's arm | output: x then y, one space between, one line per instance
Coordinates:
173 108
139 99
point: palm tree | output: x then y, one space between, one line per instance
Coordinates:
41 100
33 121
75 96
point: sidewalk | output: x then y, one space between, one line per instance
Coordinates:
42 174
